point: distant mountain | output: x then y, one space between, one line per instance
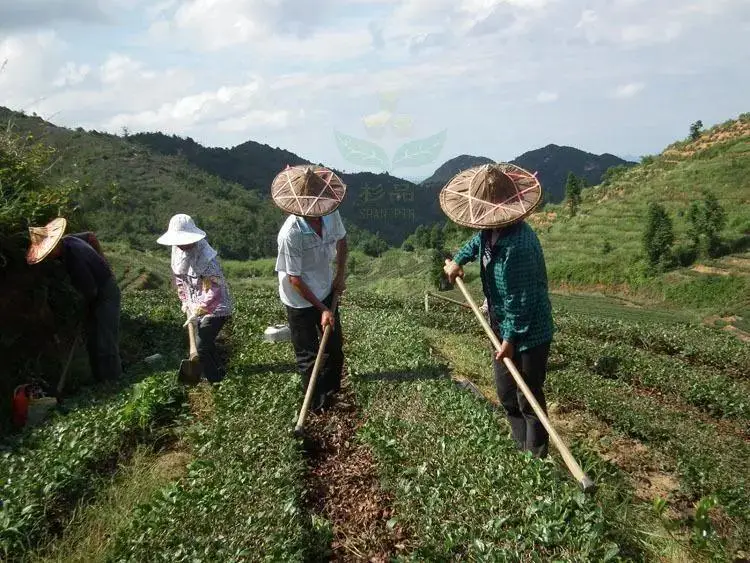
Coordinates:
134 184
553 163
378 203
252 165
630 157
128 193
455 165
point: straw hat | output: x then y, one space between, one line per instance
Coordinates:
45 239
307 190
491 196
181 230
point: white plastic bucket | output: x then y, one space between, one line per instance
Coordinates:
277 333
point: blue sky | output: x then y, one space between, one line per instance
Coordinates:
500 77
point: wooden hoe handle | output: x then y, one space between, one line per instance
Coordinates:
586 483
191 338
316 369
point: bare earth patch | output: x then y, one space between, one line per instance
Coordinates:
701 269
344 487
649 477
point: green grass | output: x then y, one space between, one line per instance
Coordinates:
460 488
241 498
684 365
47 469
574 247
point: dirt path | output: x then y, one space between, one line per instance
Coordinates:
344 487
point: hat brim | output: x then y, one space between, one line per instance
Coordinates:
178 238
325 203
37 252
462 209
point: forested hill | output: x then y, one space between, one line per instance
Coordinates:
553 163
131 185
378 203
126 192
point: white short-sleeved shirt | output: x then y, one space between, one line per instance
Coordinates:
303 253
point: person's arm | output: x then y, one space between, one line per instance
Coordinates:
299 284
470 250
82 278
518 297
182 293
289 261
453 268
342 252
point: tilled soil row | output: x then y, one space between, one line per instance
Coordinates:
343 486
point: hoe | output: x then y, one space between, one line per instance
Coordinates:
190 369
586 483
298 429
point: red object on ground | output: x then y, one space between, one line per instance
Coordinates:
20 405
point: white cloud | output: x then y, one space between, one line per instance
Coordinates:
30 62
72 74
117 67
547 97
257 119
628 90
233 108
227 70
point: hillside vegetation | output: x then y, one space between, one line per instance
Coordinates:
601 248
127 193
552 163
377 203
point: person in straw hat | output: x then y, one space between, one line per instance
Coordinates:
201 287
312 237
496 198
92 277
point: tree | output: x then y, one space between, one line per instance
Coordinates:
437 275
695 223
573 193
422 237
706 222
658 237
437 238
695 130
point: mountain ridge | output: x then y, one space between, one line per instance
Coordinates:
552 163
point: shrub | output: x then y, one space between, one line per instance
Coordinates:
658 237
685 255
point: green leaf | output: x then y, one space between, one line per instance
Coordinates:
360 151
421 151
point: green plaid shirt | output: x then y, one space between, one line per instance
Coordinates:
514 279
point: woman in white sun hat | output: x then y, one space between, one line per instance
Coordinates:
201 287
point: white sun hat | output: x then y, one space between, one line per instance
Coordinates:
182 230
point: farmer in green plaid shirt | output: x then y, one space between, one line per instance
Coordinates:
514 281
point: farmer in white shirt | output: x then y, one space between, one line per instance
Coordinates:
311 238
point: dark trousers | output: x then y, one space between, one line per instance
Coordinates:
306 332
526 428
205 342
103 333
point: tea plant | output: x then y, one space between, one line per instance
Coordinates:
241 498
45 470
460 486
